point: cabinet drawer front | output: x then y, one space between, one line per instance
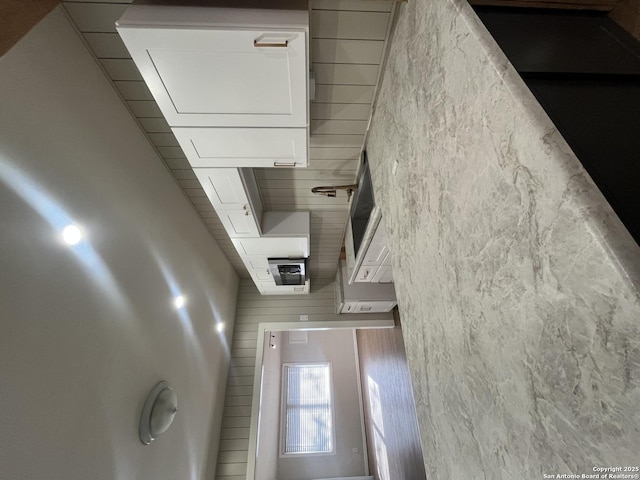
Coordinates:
270 289
383 275
374 307
244 147
224 77
349 307
366 273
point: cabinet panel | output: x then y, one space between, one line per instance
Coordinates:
226 191
239 223
262 275
244 147
376 253
271 289
374 307
256 263
223 77
273 247
383 275
224 187
349 307
366 273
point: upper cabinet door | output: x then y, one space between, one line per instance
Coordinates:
244 147
217 77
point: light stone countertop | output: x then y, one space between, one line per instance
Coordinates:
518 286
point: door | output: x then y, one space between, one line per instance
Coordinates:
244 147
223 77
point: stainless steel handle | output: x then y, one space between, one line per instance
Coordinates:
259 44
284 164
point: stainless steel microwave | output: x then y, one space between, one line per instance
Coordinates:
288 271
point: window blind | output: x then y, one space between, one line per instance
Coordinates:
308 415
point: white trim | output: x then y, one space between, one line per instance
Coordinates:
365 451
257 385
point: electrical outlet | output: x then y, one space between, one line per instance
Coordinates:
354 450
304 318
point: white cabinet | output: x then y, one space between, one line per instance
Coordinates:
362 297
232 83
228 191
222 67
258 267
349 307
376 261
275 247
377 250
374 306
273 289
244 147
366 273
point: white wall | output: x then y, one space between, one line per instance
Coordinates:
87 331
337 347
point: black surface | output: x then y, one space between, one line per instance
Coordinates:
362 205
601 122
585 72
561 42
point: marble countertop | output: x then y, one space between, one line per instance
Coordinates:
518 286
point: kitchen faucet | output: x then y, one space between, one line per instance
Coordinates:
331 191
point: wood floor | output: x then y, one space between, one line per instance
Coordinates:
390 415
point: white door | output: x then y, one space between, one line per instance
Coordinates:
244 147
283 247
224 188
223 77
239 223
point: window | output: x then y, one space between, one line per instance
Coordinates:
307 407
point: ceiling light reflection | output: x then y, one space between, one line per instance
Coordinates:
179 301
71 234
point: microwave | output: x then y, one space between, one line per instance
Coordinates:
288 271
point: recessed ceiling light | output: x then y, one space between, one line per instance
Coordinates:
179 301
220 327
71 234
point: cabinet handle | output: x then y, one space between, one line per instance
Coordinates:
259 44
284 164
